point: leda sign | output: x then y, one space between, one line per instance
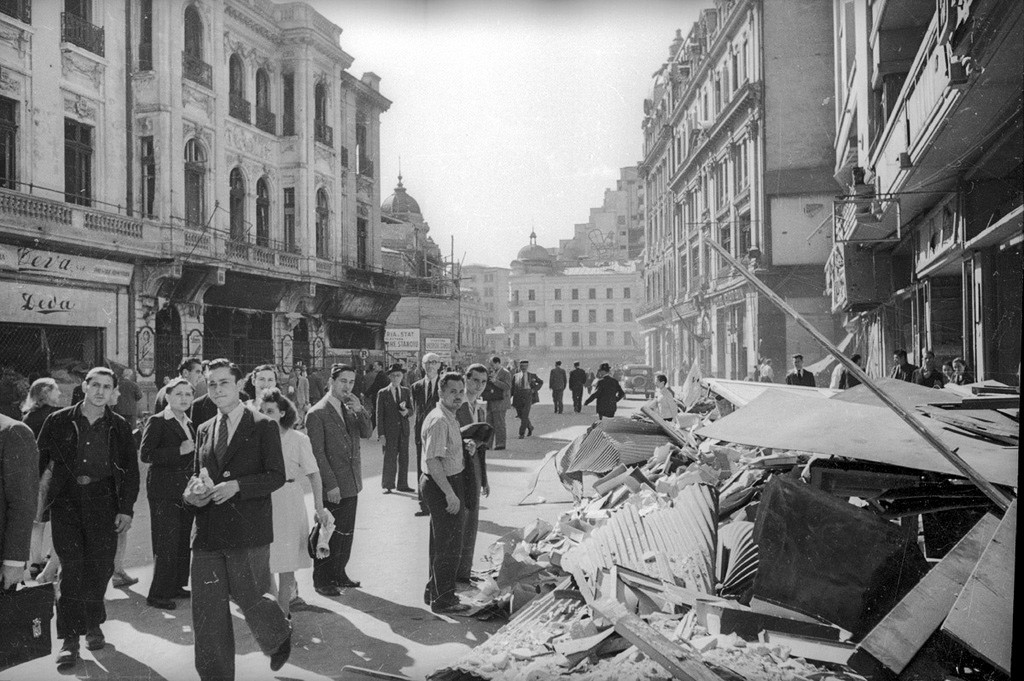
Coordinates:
66 306
62 265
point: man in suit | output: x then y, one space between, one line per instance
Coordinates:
607 392
191 369
496 409
91 453
394 404
19 490
524 386
557 381
424 399
902 370
799 375
475 472
241 452
577 380
334 426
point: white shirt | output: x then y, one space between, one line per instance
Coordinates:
234 416
168 414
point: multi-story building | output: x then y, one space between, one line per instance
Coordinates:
928 151
738 131
562 311
615 228
491 285
218 196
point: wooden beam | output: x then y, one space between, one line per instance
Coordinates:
673 433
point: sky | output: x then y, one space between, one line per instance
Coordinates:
508 116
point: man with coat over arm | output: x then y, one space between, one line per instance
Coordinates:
19 489
496 409
394 404
240 450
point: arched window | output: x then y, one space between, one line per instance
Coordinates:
195 183
262 213
237 205
262 90
323 215
193 33
321 131
236 76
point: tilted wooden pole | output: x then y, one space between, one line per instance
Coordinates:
997 496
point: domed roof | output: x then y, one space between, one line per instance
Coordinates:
533 251
400 202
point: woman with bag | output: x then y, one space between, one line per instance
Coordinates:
168 443
43 399
288 551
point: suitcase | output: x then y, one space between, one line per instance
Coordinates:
25 615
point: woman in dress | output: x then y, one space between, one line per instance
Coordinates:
664 404
43 399
168 443
288 551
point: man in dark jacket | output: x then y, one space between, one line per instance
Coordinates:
425 393
91 452
19 490
799 375
557 381
524 386
903 370
577 381
929 374
607 392
393 408
240 450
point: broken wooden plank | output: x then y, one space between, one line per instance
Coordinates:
730 617
975 426
899 636
810 648
982 616
374 673
680 663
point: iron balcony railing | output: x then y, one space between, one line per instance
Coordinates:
239 107
323 133
77 31
195 69
266 120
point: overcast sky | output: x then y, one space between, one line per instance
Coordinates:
508 115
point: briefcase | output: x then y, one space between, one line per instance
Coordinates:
25 615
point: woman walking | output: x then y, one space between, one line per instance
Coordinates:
168 443
288 551
43 399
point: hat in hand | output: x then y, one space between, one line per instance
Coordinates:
479 432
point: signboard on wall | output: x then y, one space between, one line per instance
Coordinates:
440 346
51 264
145 351
402 340
29 303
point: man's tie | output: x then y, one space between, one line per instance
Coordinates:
220 448
394 391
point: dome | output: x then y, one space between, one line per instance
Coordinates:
533 251
400 202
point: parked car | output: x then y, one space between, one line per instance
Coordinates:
638 378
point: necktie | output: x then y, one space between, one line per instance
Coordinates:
220 448
394 391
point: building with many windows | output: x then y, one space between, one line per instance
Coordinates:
190 177
490 285
615 228
928 152
559 310
738 132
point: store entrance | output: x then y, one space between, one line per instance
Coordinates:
35 350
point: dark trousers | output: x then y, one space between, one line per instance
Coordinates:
445 540
496 417
471 519
218 576
523 413
171 532
83 535
396 460
331 570
556 397
577 400
419 470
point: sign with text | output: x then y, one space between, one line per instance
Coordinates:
40 304
63 265
402 340
441 346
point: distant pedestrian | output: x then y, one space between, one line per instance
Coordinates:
11 393
664 402
842 378
799 375
43 399
577 381
393 408
607 392
525 388
589 383
765 373
379 382
497 408
902 370
129 395
557 381
301 393
929 374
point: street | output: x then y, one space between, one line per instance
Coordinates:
382 625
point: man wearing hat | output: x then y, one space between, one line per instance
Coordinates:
524 386
394 404
577 380
607 392
799 375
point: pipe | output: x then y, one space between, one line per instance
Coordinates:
997 496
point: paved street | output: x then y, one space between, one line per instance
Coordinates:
383 625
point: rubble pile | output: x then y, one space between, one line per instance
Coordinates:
729 559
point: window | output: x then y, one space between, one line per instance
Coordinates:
725 239
744 234
592 338
592 294
531 295
145 34
575 339
288 97
8 143
531 316
609 338
609 315
18 9
609 293
515 317
148 160
558 294
363 155
625 292
575 316
739 166
238 106
323 216
78 141
558 316
532 339
236 207
627 315
515 296
265 119
488 278
193 33
262 212
322 132
592 316
488 293
362 243
558 339
627 338
195 183
77 27
289 218
515 340
575 294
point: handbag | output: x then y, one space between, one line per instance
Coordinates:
25 615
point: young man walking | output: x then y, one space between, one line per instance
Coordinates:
557 381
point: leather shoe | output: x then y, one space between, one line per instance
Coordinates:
387 490
68 654
347 584
183 593
162 603
280 656
94 639
122 579
521 437
449 609
420 513
329 590
499 448
529 432
406 489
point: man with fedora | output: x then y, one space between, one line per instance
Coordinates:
607 392
799 375
577 380
524 389
394 404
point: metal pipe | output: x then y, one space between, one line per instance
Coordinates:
997 496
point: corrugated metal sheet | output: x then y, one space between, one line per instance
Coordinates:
610 442
737 558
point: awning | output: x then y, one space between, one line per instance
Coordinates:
906 394
783 419
741 393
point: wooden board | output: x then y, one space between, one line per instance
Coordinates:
982 616
896 639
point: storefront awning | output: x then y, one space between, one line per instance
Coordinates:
741 393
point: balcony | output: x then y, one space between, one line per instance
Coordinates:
195 69
77 31
266 120
17 9
239 107
323 133
858 279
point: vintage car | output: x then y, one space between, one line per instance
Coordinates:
638 378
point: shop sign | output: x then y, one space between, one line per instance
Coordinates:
145 351
64 266
442 347
287 352
41 304
402 340
195 343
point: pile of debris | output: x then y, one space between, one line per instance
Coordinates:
798 537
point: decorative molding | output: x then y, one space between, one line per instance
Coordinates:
199 131
253 25
322 153
157 280
17 38
239 47
80 107
321 180
9 84
248 142
362 209
196 97
144 125
72 62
